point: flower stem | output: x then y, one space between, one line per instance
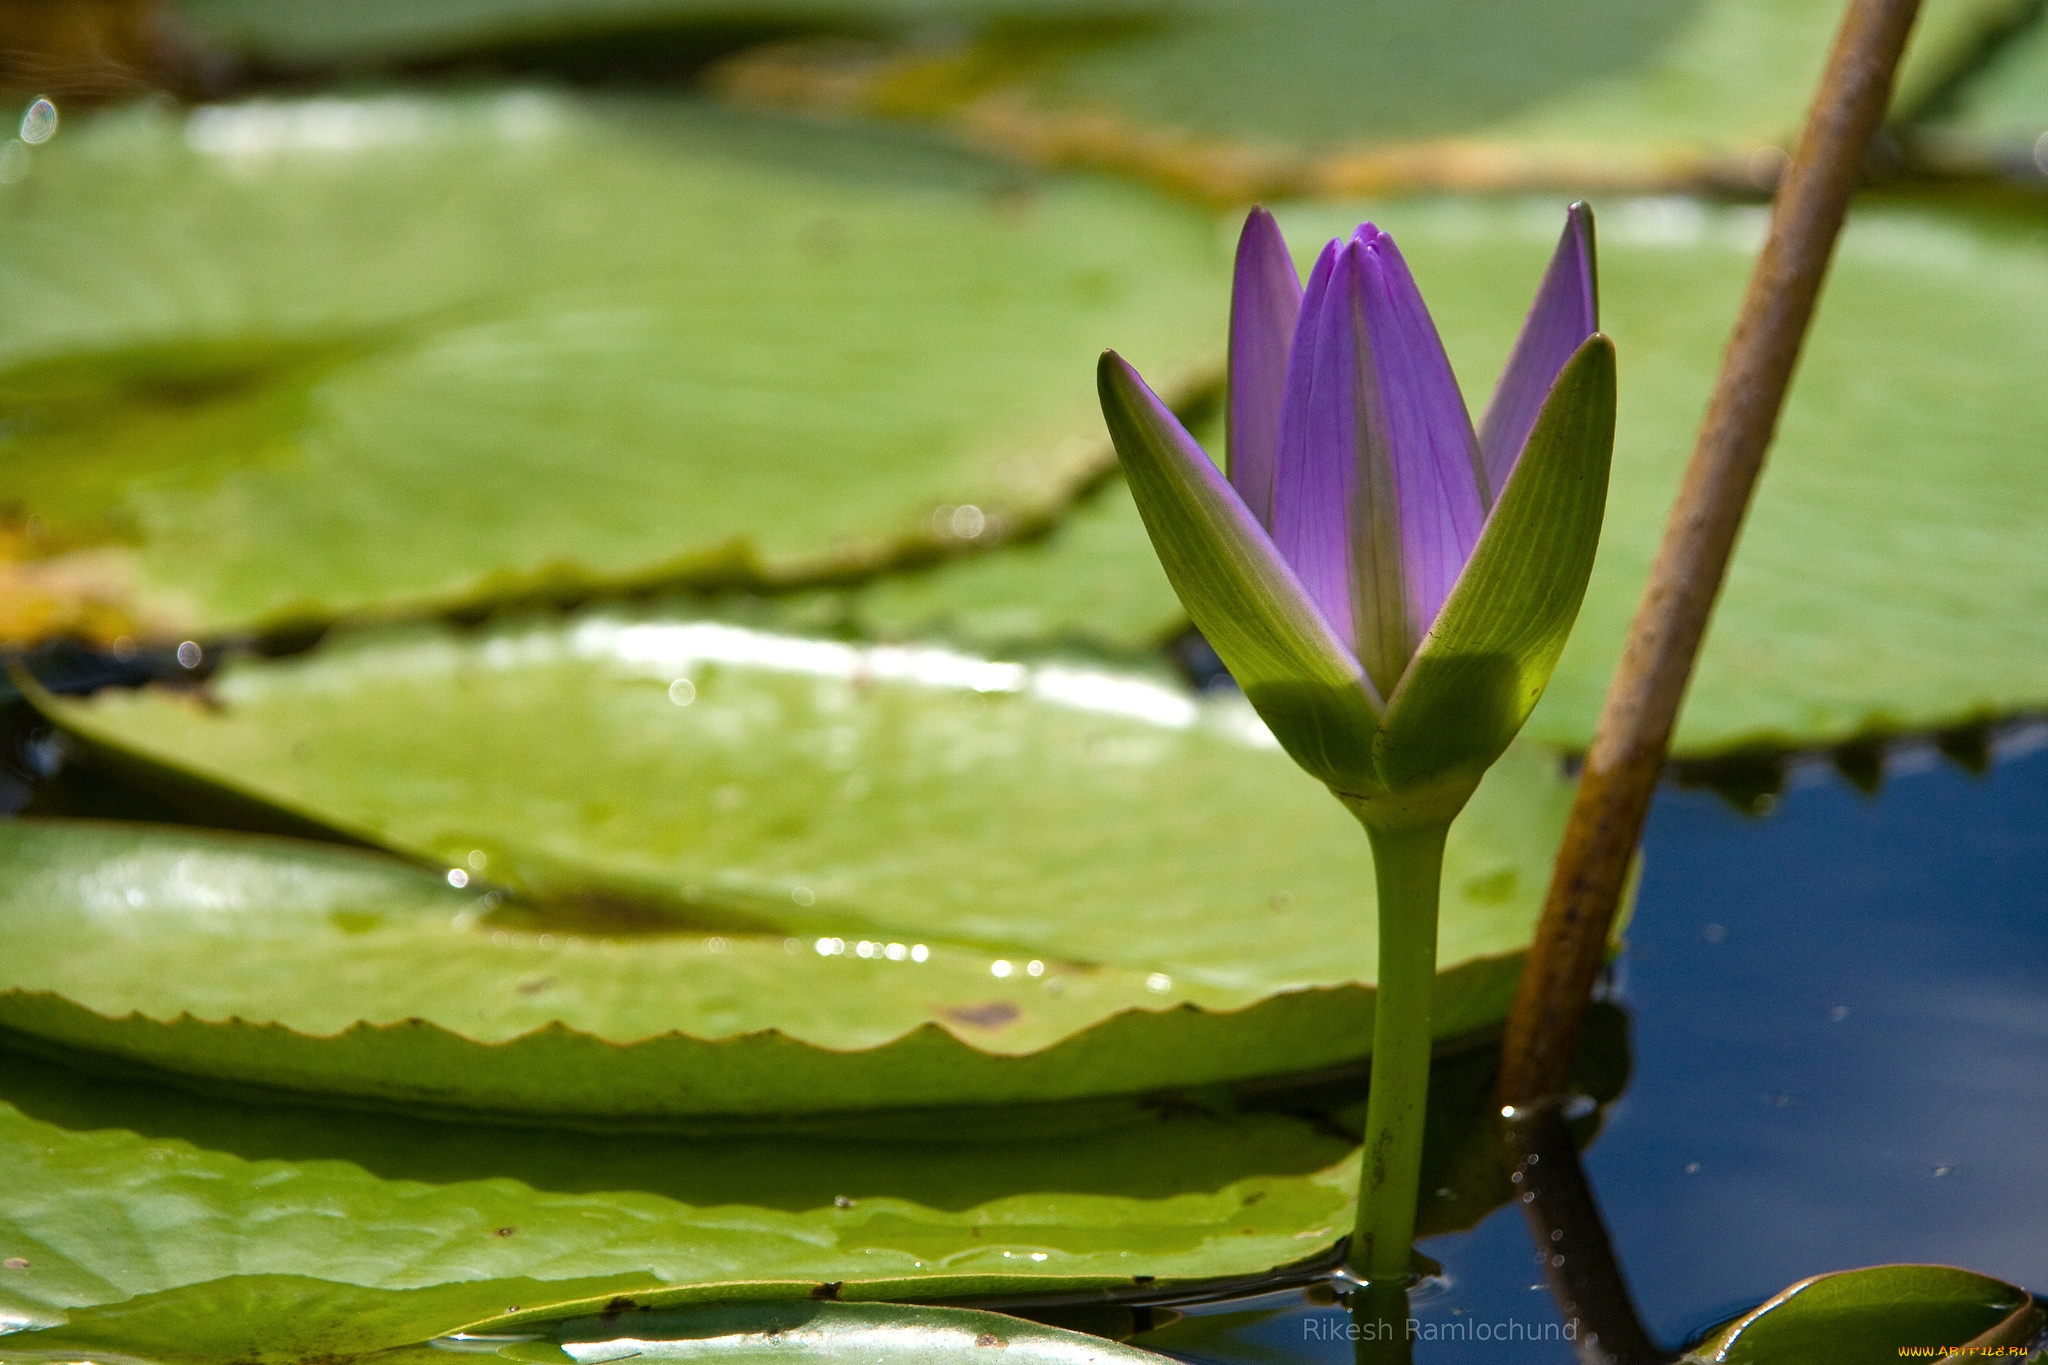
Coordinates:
1408 864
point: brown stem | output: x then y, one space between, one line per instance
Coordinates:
1642 704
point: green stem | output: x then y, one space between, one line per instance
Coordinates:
1408 865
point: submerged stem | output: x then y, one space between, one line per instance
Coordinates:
1408 864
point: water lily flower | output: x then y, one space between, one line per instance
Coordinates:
1390 587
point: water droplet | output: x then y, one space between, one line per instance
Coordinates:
843 1201
791 945
831 947
1940 1171
1714 933
189 654
895 952
682 691
1034 968
999 968
39 124
477 860
865 948
967 522
1159 981
803 895
1838 1014
1557 1260
457 877
547 940
1037 1255
918 952
716 945
1692 1168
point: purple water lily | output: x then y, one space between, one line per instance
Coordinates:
1366 534
1349 440
1390 587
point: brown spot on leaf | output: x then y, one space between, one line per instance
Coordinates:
15 1263
992 1015
990 1339
504 1232
828 1290
534 985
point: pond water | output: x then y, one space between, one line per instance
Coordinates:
1839 1026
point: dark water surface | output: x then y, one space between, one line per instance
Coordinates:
1840 1030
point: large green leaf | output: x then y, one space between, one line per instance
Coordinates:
303 33
291 1320
1997 119
282 360
1238 100
837 877
1878 1315
1893 572
299 1225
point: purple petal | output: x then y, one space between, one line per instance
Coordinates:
1316 467
1565 313
1418 454
1265 302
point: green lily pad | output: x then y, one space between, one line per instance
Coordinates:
1864 1317
293 1320
1240 100
137 1209
783 1333
1893 573
1997 119
307 33
280 361
834 877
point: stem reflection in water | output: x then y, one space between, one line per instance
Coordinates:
1565 1223
1379 1322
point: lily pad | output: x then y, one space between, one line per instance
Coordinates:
755 873
1864 1317
1090 583
869 1333
1893 572
1237 100
285 1320
137 1210
276 362
1997 119
307 33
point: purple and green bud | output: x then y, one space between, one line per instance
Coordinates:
1390 586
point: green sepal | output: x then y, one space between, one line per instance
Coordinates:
1308 688
1487 658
